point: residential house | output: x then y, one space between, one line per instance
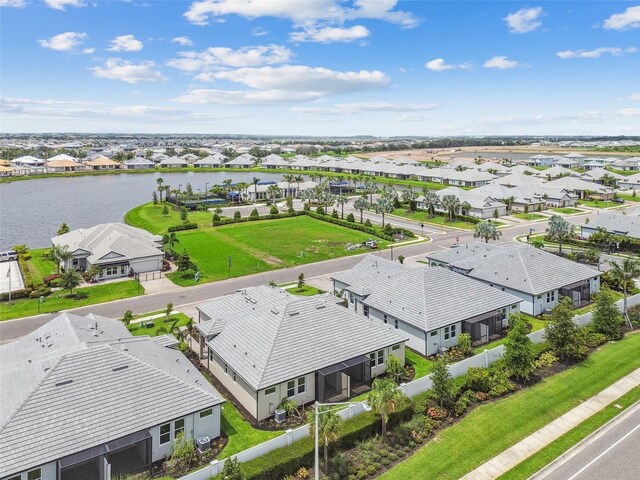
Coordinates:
189 157
593 164
480 205
118 250
556 172
273 162
173 162
215 160
265 347
584 190
469 178
28 161
576 157
59 166
516 180
523 169
102 163
632 182
138 163
5 171
536 277
613 223
242 161
566 162
552 196
602 176
517 199
431 306
541 160
80 398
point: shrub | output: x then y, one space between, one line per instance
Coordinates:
16 294
254 213
302 473
478 379
481 396
307 207
184 226
351 218
273 210
368 223
383 452
320 210
334 214
371 470
21 249
546 360
393 457
464 344
386 462
461 406
437 412
634 315
237 215
595 339
361 474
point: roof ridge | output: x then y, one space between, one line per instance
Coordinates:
524 266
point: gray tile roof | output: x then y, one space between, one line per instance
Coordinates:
427 298
616 223
271 345
525 268
72 387
467 250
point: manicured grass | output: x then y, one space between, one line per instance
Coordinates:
567 210
628 197
528 216
465 446
241 433
559 446
440 220
40 265
264 245
149 217
161 324
306 291
599 203
421 365
57 300
536 324
587 308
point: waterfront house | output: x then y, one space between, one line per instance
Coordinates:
138 163
420 303
102 163
273 162
536 277
174 162
264 347
541 160
81 398
243 161
118 250
5 171
215 160
58 166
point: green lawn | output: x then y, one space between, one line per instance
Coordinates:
149 217
158 324
536 324
440 220
628 197
567 210
465 446
599 203
40 265
559 446
56 301
421 365
241 433
262 246
528 216
306 291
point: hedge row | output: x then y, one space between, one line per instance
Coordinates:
16 294
287 460
228 221
28 279
184 226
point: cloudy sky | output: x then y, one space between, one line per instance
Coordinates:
320 67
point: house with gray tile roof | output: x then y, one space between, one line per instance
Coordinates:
81 397
138 163
118 250
613 223
584 190
420 302
599 175
480 204
265 345
536 277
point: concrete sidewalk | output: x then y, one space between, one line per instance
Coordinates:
536 441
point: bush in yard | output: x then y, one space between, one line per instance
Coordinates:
546 360
307 207
237 215
395 369
273 210
368 223
464 344
478 379
334 214
607 319
183 455
634 315
481 396
562 334
302 473
518 352
442 383
232 470
594 339
70 279
461 406
351 218
21 249
215 219
437 413
254 213
393 457
320 210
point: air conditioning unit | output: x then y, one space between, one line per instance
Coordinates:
280 415
203 444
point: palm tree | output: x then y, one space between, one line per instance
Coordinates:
60 254
170 239
289 179
607 180
274 192
430 201
370 187
466 206
559 231
487 231
160 181
361 204
389 192
243 187
227 187
384 399
451 203
384 206
329 429
409 196
625 274
255 188
298 179
342 200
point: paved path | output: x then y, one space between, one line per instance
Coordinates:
10 276
610 452
537 440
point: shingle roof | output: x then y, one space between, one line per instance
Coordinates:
467 250
525 269
72 387
616 223
272 345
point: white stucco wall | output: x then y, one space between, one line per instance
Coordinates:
267 404
143 265
246 395
48 472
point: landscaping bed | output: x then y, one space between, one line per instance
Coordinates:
567 210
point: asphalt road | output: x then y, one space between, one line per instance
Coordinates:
440 238
611 453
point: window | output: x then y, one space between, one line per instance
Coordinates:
449 332
234 377
551 296
291 388
75 262
514 306
17 477
351 297
380 357
395 347
165 433
453 331
365 310
178 427
384 318
372 360
395 322
122 267
302 385
113 270
35 474
270 391
226 369
434 333
206 413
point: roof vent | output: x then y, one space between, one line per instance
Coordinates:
120 368
65 382
319 307
293 314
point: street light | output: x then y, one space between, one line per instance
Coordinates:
316 458
206 190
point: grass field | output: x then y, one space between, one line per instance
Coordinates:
306 291
492 428
160 325
628 197
57 300
440 220
241 433
149 217
261 246
528 216
559 446
599 203
40 265
567 210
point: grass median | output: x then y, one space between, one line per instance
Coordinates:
490 429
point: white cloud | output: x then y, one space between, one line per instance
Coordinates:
330 34
502 63
88 51
259 32
13 3
184 41
629 112
284 84
412 117
596 53
227 57
200 12
359 107
125 71
125 43
626 20
635 97
63 42
62 4
524 20
439 65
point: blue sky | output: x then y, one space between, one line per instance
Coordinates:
320 67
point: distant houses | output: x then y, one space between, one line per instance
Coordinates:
614 224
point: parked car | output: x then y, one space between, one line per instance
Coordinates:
618 200
7 256
372 244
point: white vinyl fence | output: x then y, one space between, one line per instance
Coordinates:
410 389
